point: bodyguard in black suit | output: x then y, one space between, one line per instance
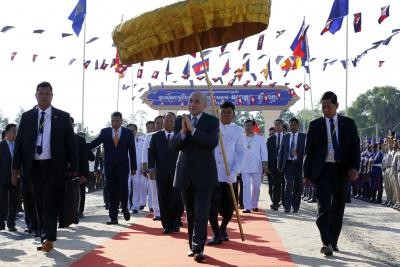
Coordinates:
118 142
162 163
332 159
290 163
8 193
196 172
273 145
45 148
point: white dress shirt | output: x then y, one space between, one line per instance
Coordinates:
145 147
330 157
119 133
255 153
232 136
46 147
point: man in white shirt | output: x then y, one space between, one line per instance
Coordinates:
254 165
221 200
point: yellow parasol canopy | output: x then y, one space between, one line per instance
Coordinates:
171 31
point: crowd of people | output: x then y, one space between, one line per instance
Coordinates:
189 163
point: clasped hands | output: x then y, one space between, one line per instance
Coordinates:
187 126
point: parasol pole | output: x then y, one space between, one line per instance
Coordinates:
221 143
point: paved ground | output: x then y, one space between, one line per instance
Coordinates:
370 236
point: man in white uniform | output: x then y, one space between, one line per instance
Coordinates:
221 200
135 182
254 165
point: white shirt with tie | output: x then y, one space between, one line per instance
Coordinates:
46 146
232 136
330 157
279 137
292 150
11 148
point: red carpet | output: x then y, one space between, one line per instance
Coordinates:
143 244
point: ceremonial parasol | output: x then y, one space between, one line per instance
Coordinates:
188 27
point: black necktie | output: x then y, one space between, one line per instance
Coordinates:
334 140
168 137
39 149
278 145
292 147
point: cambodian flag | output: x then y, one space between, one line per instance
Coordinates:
199 67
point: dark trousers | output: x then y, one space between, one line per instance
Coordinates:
170 202
47 191
9 195
197 204
117 186
82 198
277 178
29 205
222 203
293 183
331 189
239 190
91 182
270 185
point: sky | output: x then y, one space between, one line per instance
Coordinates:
20 76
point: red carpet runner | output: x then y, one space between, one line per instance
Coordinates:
143 244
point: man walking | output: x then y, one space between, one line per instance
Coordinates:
332 158
45 148
290 162
118 141
196 171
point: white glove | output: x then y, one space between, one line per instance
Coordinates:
232 177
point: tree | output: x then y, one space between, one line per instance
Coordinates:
3 121
376 111
242 116
19 115
286 115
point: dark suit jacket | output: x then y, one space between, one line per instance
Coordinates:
196 161
161 157
317 146
5 163
271 147
63 143
284 152
117 156
84 153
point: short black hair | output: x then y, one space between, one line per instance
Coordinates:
173 114
149 122
227 104
44 84
9 126
271 129
278 120
248 120
294 119
158 117
133 125
72 120
117 114
328 95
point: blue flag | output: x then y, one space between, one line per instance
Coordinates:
78 16
340 9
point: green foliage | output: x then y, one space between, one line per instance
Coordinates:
377 109
242 116
3 121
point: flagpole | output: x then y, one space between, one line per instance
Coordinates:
309 73
118 94
347 59
83 78
133 107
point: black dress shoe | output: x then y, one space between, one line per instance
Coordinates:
151 210
335 248
199 256
141 207
190 253
286 211
12 229
2 227
295 211
135 211
167 231
214 241
177 228
157 218
127 215
255 209
224 235
246 211
274 207
327 250
112 222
